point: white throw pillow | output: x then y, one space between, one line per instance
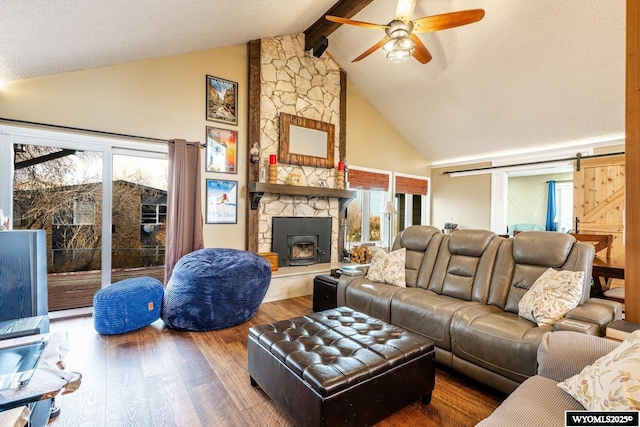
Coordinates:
552 295
388 267
612 383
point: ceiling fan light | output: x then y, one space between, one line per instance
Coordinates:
399 49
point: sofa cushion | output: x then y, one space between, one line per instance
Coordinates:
426 313
388 267
464 265
552 296
542 248
416 237
422 243
612 383
496 340
371 298
521 261
470 243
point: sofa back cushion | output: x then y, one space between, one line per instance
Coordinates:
464 265
524 258
419 241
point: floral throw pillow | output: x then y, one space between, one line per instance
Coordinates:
552 295
388 267
612 383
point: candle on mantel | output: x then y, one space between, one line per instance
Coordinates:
341 166
272 159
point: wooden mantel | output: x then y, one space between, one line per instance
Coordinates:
257 190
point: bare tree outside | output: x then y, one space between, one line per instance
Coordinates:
60 191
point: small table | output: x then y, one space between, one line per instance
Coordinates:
325 291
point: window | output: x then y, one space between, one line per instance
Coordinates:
153 214
76 213
411 201
564 205
364 218
87 192
84 213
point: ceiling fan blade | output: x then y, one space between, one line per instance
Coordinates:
404 10
421 53
340 20
447 20
372 49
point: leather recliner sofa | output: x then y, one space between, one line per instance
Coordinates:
463 291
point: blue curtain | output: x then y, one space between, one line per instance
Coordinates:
551 207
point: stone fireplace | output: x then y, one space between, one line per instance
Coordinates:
285 78
301 240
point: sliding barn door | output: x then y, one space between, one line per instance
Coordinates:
598 198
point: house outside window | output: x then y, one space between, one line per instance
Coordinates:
84 213
75 213
153 214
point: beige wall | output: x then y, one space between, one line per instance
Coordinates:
372 142
165 98
159 98
464 200
608 150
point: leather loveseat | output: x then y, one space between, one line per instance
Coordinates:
463 291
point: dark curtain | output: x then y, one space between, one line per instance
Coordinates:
551 207
184 204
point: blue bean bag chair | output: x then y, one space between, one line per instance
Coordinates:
215 288
127 305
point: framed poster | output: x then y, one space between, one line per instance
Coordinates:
222 201
221 153
222 100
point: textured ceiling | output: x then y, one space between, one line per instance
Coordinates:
532 74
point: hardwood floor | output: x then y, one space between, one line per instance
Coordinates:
159 377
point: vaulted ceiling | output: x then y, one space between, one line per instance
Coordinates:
532 74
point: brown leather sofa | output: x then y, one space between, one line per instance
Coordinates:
463 291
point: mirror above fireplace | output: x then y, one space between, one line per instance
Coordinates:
306 142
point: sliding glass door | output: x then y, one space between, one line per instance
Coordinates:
102 203
139 215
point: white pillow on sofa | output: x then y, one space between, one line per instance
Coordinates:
388 267
612 383
552 295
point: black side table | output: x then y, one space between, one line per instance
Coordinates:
325 289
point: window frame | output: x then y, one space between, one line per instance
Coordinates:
107 146
366 214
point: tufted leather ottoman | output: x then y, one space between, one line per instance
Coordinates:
340 367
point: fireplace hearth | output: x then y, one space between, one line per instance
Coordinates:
301 240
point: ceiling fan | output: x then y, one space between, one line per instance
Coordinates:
401 42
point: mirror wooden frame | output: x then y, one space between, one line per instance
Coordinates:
305 159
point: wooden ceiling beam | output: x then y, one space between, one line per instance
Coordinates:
322 27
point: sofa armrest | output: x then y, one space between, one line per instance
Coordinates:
598 311
563 354
343 284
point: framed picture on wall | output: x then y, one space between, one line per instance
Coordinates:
222 100
222 201
221 152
